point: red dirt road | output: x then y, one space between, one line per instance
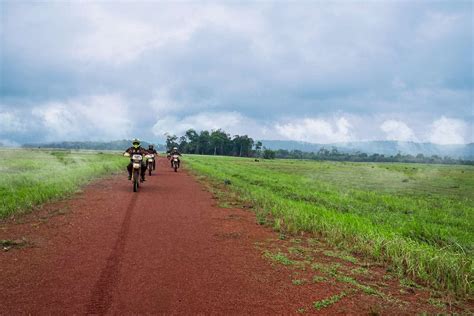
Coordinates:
166 249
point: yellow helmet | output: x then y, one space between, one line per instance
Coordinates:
136 143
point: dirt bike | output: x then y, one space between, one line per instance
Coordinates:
175 162
150 163
136 169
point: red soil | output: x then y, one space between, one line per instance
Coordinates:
166 249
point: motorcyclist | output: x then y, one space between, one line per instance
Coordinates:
136 149
174 151
152 151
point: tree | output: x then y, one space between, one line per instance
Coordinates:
243 145
193 141
268 154
171 141
298 153
204 142
323 152
183 144
258 148
219 140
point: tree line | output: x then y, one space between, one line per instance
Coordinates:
215 142
335 155
218 142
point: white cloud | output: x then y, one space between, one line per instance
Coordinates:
58 119
398 84
116 37
163 104
448 131
94 117
228 121
111 38
108 38
437 25
11 123
316 130
8 143
397 130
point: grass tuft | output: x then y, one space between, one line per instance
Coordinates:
328 301
278 257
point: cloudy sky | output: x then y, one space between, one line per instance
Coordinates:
319 71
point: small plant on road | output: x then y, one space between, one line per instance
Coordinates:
278 257
328 301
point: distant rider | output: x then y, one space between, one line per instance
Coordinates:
136 149
152 151
172 152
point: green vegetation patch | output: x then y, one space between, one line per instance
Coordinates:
299 281
360 270
365 288
436 302
318 279
328 269
423 227
328 301
31 177
7 244
278 257
341 255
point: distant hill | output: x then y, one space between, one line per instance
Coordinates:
112 145
387 148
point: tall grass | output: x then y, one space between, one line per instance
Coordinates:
31 177
418 218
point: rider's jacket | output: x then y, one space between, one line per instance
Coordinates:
174 152
152 151
136 151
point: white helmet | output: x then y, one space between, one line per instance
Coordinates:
175 148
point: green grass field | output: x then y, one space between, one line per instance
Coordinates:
417 218
31 177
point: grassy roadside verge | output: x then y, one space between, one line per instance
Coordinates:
30 177
418 219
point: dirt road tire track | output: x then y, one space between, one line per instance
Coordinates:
101 298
